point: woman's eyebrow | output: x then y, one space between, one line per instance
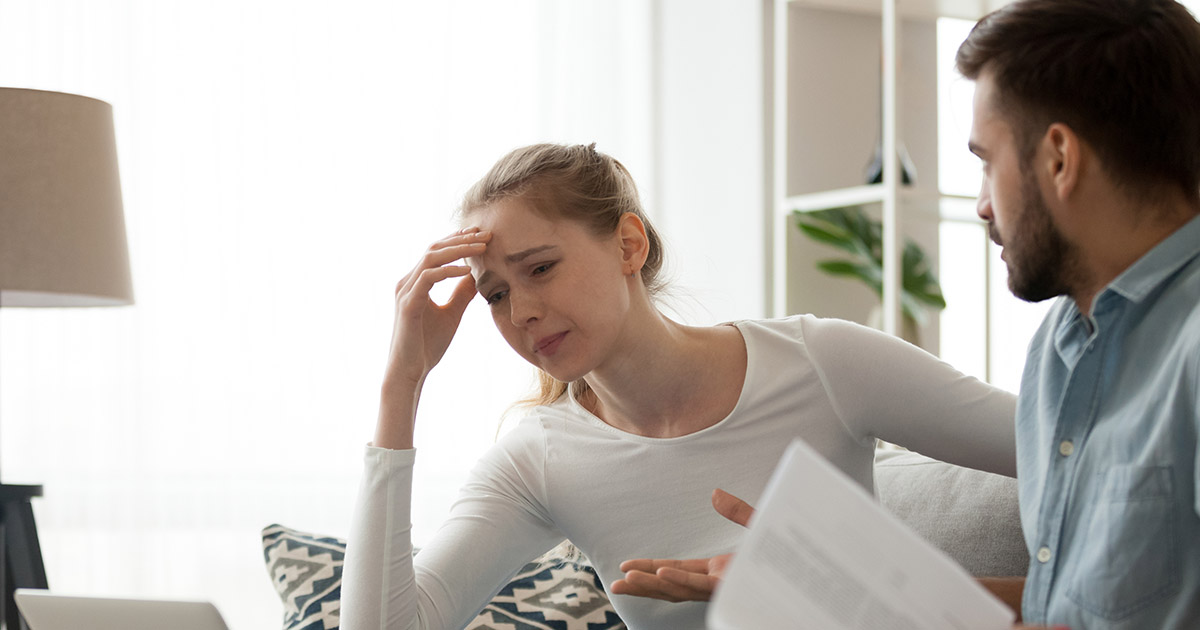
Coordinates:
523 254
515 258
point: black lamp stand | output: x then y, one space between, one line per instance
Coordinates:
20 553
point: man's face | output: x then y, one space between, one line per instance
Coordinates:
1012 203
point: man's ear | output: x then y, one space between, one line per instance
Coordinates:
1062 159
635 247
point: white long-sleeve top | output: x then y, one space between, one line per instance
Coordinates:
564 473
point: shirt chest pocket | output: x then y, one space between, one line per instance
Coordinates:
1127 557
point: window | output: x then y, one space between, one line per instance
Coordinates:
283 166
984 329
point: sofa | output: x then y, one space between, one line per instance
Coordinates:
970 515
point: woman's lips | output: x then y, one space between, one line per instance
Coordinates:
549 345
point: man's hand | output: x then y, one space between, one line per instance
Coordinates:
683 580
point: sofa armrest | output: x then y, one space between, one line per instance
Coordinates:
1007 590
971 515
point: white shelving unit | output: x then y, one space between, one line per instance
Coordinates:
842 75
916 9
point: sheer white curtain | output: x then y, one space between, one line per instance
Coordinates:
283 164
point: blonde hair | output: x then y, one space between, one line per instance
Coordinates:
574 182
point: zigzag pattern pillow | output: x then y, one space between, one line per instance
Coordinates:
307 573
558 591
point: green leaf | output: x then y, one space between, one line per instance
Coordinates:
823 233
844 228
867 273
919 282
852 230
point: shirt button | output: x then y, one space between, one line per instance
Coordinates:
1065 448
1043 555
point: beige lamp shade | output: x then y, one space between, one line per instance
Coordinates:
62 228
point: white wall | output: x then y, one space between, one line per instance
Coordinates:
709 121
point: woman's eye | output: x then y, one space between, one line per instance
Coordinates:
543 268
495 297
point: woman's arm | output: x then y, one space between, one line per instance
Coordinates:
883 387
422 331
378 575
498 523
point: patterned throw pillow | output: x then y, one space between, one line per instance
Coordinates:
558 591
307 573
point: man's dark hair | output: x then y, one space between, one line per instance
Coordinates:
1123 74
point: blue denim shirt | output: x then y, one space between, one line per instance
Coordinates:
1107 453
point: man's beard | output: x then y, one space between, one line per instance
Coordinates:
1040 261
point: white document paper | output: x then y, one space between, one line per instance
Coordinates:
822 553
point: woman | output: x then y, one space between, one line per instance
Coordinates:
639 417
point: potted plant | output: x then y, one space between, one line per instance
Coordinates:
851 230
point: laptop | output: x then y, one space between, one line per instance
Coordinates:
44 610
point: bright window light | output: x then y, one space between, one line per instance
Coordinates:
984 329
284 164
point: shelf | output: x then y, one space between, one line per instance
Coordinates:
853 50
873 193
960 210
921 9
840 198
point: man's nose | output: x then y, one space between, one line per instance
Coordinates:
983 207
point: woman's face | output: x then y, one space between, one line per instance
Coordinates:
558 294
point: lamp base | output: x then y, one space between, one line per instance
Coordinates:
20 553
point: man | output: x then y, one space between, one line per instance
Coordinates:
1088 125
1087 119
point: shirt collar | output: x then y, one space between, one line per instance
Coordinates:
1158 264
1133 284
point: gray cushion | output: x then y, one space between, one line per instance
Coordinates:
971 515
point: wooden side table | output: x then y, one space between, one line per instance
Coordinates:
20 553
